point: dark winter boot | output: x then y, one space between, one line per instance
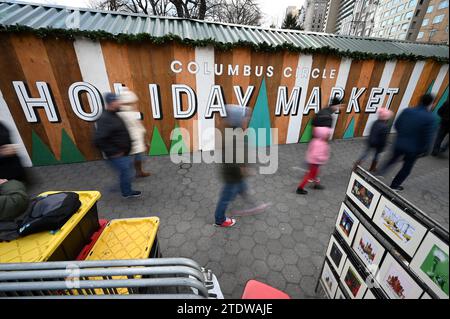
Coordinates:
356 164
373 166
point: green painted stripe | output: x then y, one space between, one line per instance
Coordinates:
69 152
261 118
307 133
350 131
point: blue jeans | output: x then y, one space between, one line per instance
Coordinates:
367 153
409 159
122 165
228 194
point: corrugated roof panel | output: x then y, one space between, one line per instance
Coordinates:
37 16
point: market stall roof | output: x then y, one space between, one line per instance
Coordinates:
38 16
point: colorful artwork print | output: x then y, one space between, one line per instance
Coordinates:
329 281
399 226
362 194
346 223
436 267
397 282
366 248
336 254
352 282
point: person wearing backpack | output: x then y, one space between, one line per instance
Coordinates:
113 139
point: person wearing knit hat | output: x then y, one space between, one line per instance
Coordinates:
377 139
128 113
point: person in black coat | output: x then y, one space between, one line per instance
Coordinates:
443 113
113 139
324 118
415 128
377 138
11 167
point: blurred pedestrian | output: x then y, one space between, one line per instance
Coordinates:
324 118
113 139
415 130
13 199
317 155
234 164
10 164
137 131
443 113
376 142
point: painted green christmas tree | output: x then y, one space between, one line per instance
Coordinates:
157 146
40 153
69 152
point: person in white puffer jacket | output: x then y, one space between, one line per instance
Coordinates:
128 113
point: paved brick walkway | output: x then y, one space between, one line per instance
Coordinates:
284 246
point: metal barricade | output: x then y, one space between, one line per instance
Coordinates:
141 278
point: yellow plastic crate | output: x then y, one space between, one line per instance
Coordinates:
40 246
130 238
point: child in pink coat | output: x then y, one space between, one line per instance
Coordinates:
317 154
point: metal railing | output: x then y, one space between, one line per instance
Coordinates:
134 278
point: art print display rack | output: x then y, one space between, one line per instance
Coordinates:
383 247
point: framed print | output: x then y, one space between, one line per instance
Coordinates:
430 263
328 280
369 295
346 224
368 249
396 282
336 255
404 230
339 294
363 195
354 284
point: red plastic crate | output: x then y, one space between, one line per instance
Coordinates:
85 251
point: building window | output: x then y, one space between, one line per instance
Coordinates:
389 22
417 13
405 26
402 36
443 5
432 33
420 35
425 22
409 15
412 3
430 9
438 19
401 8
397 18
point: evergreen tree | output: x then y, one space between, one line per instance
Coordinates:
290 22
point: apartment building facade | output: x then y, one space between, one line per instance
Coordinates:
315 15
434 27
399 19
